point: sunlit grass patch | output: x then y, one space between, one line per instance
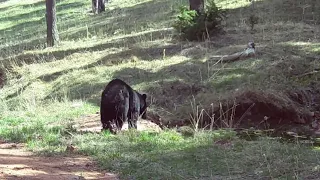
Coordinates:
232 4
306 46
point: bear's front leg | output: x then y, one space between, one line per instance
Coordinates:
111 126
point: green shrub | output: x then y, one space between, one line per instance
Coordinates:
194 26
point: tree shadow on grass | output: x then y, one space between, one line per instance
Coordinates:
6 8
23 16
88 91
16 93
22 30
38 4
177 84
77 91
143 53
277 21
59 4
18 48
169 86
26 30
168 155
128 20
154 161
37 13
146 54
189 73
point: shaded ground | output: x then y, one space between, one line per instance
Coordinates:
16 163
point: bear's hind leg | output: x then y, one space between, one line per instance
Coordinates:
122 112
132 120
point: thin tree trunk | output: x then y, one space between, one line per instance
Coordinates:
52 30
98 6
197 5
102 6
95 6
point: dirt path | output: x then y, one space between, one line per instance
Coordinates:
17 163
91 123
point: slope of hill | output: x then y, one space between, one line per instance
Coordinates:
47 90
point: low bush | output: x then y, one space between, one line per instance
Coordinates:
199 26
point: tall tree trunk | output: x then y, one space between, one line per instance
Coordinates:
197 5
52 30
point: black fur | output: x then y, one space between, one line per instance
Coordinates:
120 103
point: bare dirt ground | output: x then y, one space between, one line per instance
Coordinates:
17 163
91 123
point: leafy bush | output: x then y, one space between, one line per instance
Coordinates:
194 26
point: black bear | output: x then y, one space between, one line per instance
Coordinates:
120 103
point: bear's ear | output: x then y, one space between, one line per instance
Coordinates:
144 96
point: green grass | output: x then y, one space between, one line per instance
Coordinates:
168 155
133 41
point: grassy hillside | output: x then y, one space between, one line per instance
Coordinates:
46 89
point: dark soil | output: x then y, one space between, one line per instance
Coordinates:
295 111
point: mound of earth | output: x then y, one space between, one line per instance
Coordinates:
16 163
288 111
91 123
